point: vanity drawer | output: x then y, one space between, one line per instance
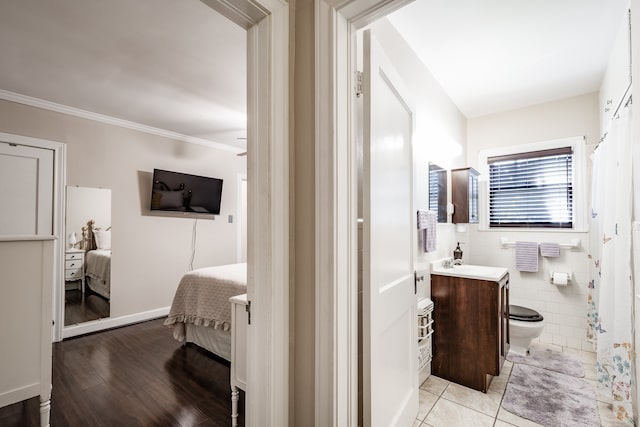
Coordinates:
71 264
73 274
73 255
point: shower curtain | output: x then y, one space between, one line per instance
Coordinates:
610 298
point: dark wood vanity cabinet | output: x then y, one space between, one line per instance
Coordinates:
464 195
471 334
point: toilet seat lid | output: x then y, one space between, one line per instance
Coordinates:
524 314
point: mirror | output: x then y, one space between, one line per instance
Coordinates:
438 191
87 264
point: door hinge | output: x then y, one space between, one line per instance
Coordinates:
248 310
359 83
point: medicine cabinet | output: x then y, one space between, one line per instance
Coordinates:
464 195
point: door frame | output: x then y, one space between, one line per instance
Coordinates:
267 25
336 306
59 195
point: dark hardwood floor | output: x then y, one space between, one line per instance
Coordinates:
132 376
80 308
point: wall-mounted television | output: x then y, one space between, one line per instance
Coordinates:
181 192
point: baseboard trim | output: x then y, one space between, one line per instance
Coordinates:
19 394
113 322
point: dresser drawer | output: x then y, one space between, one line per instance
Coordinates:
71 256
73 274
71 264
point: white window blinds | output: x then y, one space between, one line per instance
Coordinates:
533 189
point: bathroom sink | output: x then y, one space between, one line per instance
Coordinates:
468 271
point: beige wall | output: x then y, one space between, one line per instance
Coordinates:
564 308
150 251
553 120
83 203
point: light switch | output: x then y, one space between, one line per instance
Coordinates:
230 219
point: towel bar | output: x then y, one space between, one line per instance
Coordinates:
574 245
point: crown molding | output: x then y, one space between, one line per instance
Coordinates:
64 109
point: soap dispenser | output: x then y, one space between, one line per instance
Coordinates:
457 253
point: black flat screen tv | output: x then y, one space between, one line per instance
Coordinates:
181 192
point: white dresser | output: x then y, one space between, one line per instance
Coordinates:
74 266
239 323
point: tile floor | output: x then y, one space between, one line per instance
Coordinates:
446 404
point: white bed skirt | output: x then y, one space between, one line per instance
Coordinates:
217 341
99 287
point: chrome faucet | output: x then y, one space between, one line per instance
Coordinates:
447 263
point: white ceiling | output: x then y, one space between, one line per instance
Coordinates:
173 65
498 55
181 67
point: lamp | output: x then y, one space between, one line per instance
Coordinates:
72 240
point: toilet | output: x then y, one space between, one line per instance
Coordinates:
525 325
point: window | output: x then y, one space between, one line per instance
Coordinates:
533 189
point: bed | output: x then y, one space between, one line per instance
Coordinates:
98 271
201 311
97 264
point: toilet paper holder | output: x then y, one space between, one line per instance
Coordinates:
559 278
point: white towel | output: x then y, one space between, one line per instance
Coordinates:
551 250
429 233
422 220
527 256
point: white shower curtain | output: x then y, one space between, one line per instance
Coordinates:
611 288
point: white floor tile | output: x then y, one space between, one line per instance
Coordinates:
499 383
446 404
427 400
506 368
449 414
434 385
487 403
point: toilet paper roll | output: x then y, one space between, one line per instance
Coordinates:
560 279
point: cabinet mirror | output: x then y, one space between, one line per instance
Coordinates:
438 191
87 264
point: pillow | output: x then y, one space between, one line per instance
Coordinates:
161 199
103 239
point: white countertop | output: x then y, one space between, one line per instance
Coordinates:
467 271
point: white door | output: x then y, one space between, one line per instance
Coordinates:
26 190
390 374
